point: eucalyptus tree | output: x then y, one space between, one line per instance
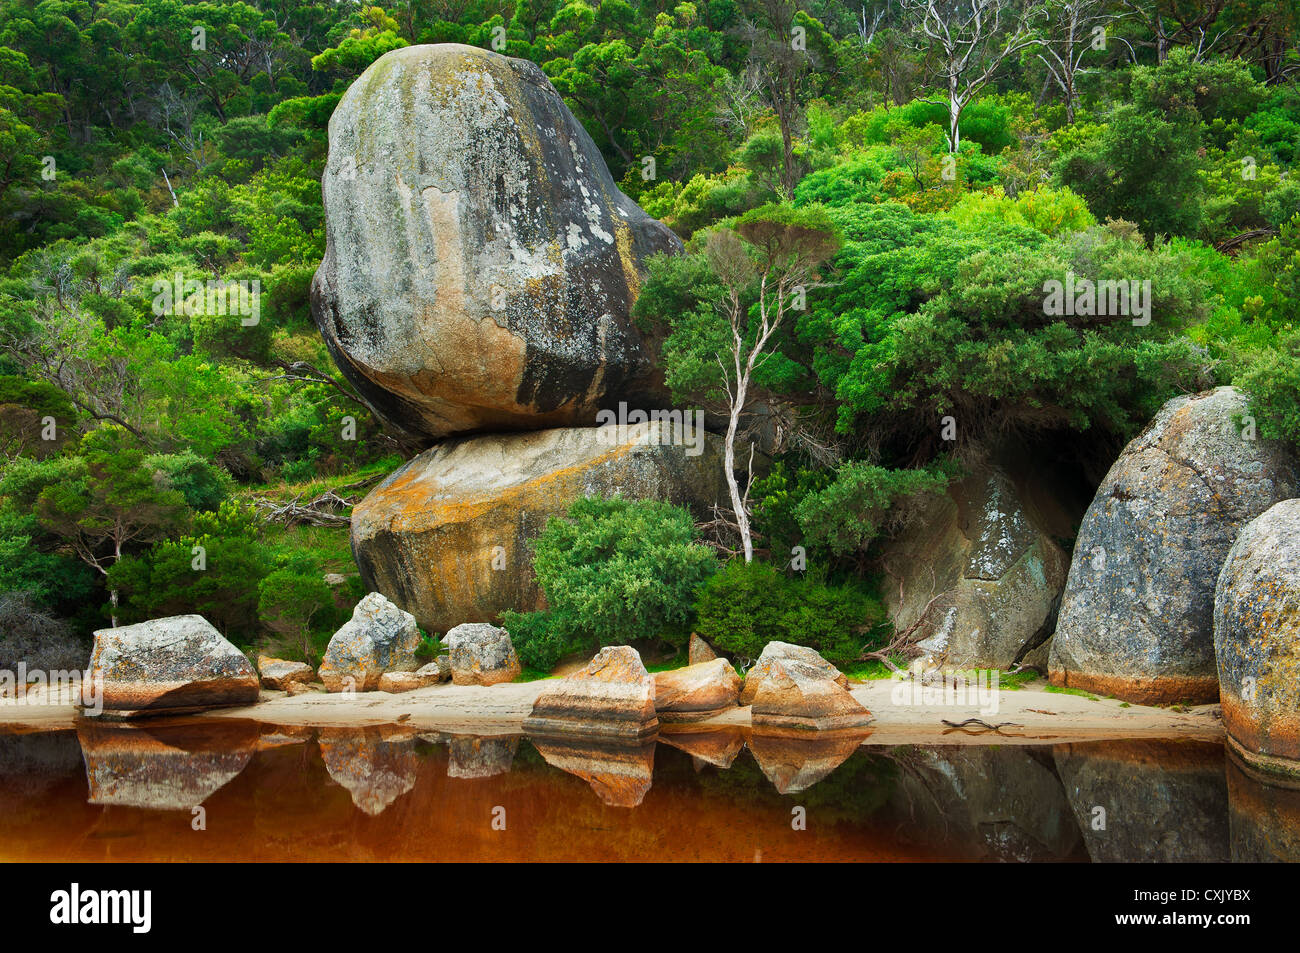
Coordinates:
970 41
1069 31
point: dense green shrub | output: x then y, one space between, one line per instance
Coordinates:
289 600
613 571
745 606
214 571
540 642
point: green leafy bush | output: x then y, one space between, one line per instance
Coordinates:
289 599
541 643
613 571
745 606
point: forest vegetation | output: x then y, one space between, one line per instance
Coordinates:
949 175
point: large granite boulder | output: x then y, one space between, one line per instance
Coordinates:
164 665
796 695
613 697
977 572
481 264
378 638
481 654
782 651
696 692
1257 640
447 534
1137 616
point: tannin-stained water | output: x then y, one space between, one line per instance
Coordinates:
229 791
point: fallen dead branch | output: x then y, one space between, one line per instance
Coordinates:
327 509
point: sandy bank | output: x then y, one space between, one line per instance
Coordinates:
1029 715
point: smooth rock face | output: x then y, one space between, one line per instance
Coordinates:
482 654
1257 640
447 535
781 651
1137 616
613 697
699 651
481 264
696 692
980 566
179 662
797 695
378 638
278 674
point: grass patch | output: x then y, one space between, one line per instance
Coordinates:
668 664
1058 690
532 675
1014 681
317 485
870 670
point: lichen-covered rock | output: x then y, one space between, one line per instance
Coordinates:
1137 615
482 654
480 264
612 697
1257 640
179 662
781 651
378 638
696 692
278 674
979 571
699 651
447 535
797 695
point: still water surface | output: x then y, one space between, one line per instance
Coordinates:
129 793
